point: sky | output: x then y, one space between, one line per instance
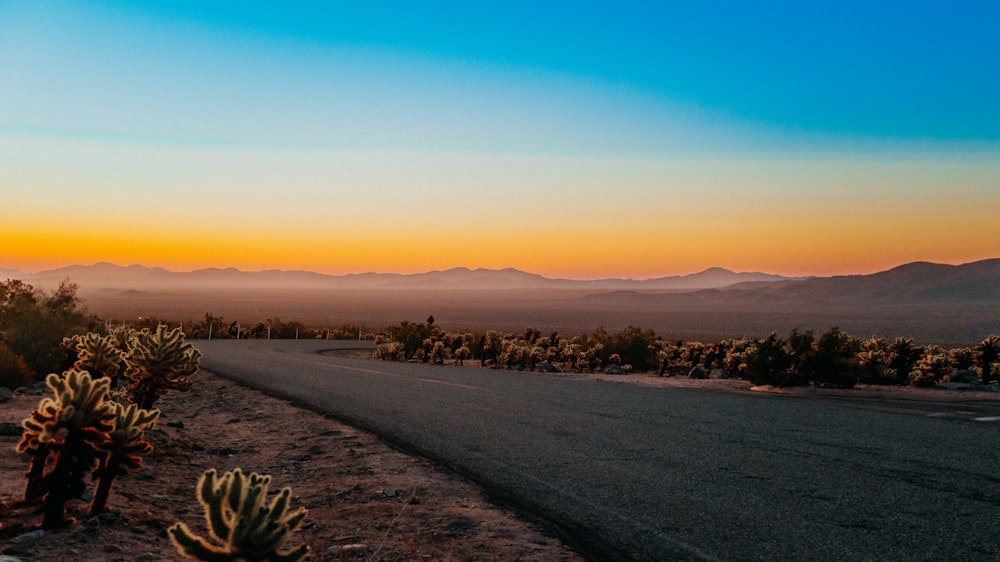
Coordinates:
570 139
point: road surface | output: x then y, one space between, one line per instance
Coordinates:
624 472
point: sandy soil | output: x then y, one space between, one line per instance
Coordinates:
366 501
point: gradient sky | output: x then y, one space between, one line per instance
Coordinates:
571 139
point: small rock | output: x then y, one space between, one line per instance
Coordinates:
33 535
346 549
547 367
389 492
698 372
612 370
964 376
177 424
719 374
954 386
414 500
460 524
5 394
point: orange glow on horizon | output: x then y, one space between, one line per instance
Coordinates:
649 251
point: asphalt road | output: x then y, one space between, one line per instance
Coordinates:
624 472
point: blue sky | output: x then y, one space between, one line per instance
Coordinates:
632 108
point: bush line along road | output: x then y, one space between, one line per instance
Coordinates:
624 472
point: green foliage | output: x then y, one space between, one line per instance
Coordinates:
411 336
159 362
239 519
903 355
633 345
831 361
33 323
122 449
769 361
14 372
73 427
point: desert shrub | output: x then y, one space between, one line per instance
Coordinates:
987 355
33 323
833 360
411 336
14 372
903 355
769 361
634 346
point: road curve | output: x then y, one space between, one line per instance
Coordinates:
637 473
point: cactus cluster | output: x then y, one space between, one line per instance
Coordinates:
158 362
73 427
239 518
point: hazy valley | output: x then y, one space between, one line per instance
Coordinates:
933 303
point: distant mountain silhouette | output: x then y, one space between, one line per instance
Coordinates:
945 304
914 283
137 277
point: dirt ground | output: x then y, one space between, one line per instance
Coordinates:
366 501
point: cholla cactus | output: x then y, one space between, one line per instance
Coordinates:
439 352
159 362
461 354
389 351
73 426
122 449
238 518
97 355
932 366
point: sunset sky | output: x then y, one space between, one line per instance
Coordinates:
571 139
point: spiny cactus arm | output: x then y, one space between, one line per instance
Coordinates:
271 527
97 354
238 518
214 495
194 547
123 450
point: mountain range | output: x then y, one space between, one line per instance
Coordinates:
947 304
917 281
139 277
